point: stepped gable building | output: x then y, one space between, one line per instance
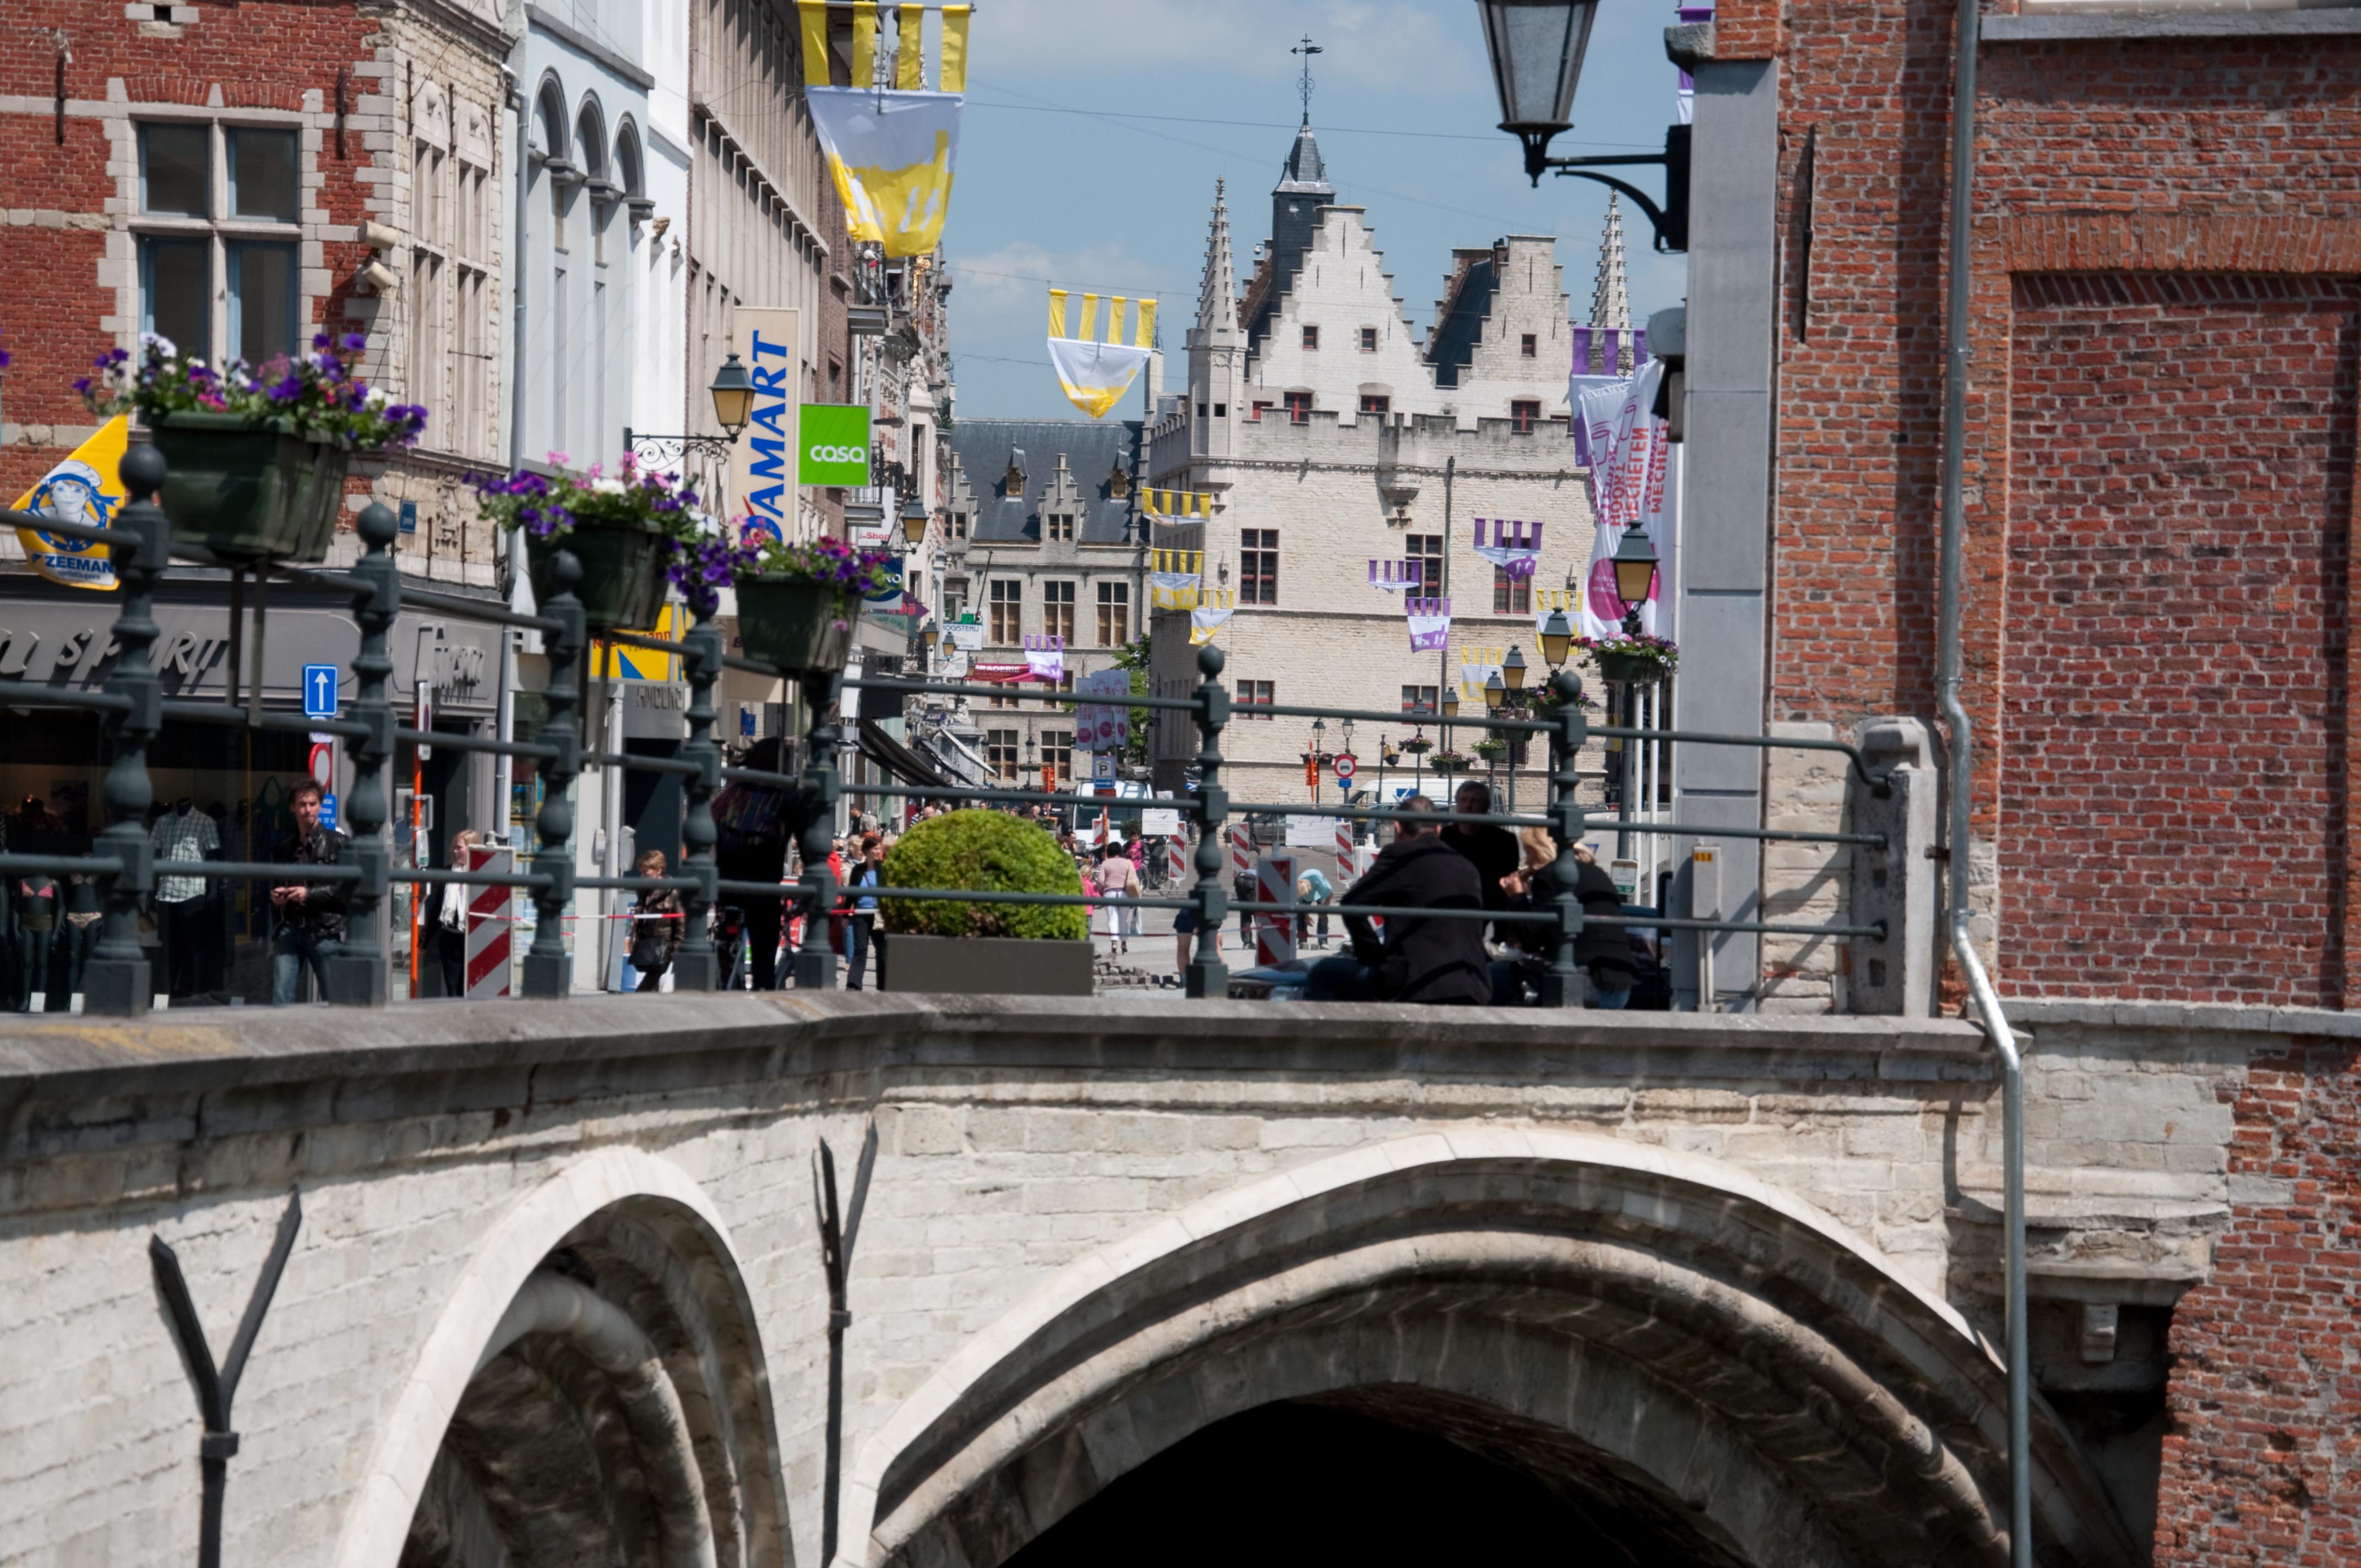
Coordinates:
1331 433
1046 537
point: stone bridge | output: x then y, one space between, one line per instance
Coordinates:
1721 1287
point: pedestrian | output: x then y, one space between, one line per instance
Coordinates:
311 915
1184 925
1139 890
1313 887
861 920
444 919
751 822
1491 850
1420 959
655 926
1119 883
1602 951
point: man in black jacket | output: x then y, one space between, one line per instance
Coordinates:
1430 961
311 914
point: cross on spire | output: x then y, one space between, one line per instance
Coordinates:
1307 48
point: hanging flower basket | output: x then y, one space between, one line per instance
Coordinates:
1417 744
1447 762
1490 750
796 625
248 489
622 583
255 456
1632 661
796 603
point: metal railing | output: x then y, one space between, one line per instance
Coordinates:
122 862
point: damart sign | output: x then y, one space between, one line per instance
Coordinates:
761 463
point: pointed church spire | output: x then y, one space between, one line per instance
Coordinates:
1218 295
1610 301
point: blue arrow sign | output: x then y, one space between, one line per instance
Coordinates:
319 691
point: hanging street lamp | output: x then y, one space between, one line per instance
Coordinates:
1557 639
914 522
1635 575
733 408
1536 48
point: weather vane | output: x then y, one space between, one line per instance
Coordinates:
1307 48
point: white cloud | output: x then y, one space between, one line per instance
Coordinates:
1099 45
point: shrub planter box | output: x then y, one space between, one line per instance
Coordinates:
985 966
1629 669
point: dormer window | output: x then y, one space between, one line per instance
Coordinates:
1013 482
1059 527
1118 483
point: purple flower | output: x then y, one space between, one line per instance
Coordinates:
83 386
319 339
353 342
288 390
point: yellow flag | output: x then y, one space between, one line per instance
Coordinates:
909 73
85 488
954 67
1147 338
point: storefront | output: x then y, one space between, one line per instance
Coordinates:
54 763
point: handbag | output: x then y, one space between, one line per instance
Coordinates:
648 952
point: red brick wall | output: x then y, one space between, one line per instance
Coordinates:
2262 1463
264 53
2172 791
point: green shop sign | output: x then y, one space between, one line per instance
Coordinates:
835 445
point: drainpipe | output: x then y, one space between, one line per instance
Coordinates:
1980 985
504 712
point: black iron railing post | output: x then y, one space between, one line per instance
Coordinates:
1561 984
1207 974
116 980
697 967
815 959
548 968
356 967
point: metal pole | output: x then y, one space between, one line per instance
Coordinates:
116 980
815 959
548 968
698 965
1208 977
1956 353
357 968
1562 986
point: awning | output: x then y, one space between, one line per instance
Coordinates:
956 756
899 760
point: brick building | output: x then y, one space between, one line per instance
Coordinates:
1330 434
2159 590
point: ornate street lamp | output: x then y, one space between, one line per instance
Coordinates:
1496 692
1512 668
914 522
733 407
1536 48
1450 702
1557 639
1635 575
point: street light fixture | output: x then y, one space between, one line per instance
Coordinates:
1557 639
1512 668
1635 575
914 522
1496 692
1536 48
733 407
1450 702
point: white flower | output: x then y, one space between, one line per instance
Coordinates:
376 397
162 344
608 486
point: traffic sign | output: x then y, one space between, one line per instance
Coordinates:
319 691
1345 765
328 812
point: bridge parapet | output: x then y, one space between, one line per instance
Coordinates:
1017 1141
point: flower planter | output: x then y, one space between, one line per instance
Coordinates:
623 581
1629 669
990 966
795 624
250 491
1446 764
1417 747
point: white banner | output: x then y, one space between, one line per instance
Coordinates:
1102 727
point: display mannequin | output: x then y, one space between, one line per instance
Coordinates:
183 834
77 935
37 921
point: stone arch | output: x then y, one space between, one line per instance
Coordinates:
1673 1341
552 125
595 1371
629 173
590 134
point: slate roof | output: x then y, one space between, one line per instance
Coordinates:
1092 449
1453 346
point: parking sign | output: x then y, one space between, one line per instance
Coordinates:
319 691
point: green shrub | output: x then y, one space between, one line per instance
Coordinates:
987 851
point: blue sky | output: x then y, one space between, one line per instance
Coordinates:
1114 201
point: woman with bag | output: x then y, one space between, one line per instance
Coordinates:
655 924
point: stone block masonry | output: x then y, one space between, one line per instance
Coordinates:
1026 1144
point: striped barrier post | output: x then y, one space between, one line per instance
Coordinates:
1241 865
490 920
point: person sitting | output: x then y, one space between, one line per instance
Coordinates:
1604 951
1421 959
1491 850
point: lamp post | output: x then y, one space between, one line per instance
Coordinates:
915 517
1635 575
1319 733
1557 639
1536 48
733 407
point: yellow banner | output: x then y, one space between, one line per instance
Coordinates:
909 74
1147 338
864 43
813 14
1056 312
85 488
954 66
